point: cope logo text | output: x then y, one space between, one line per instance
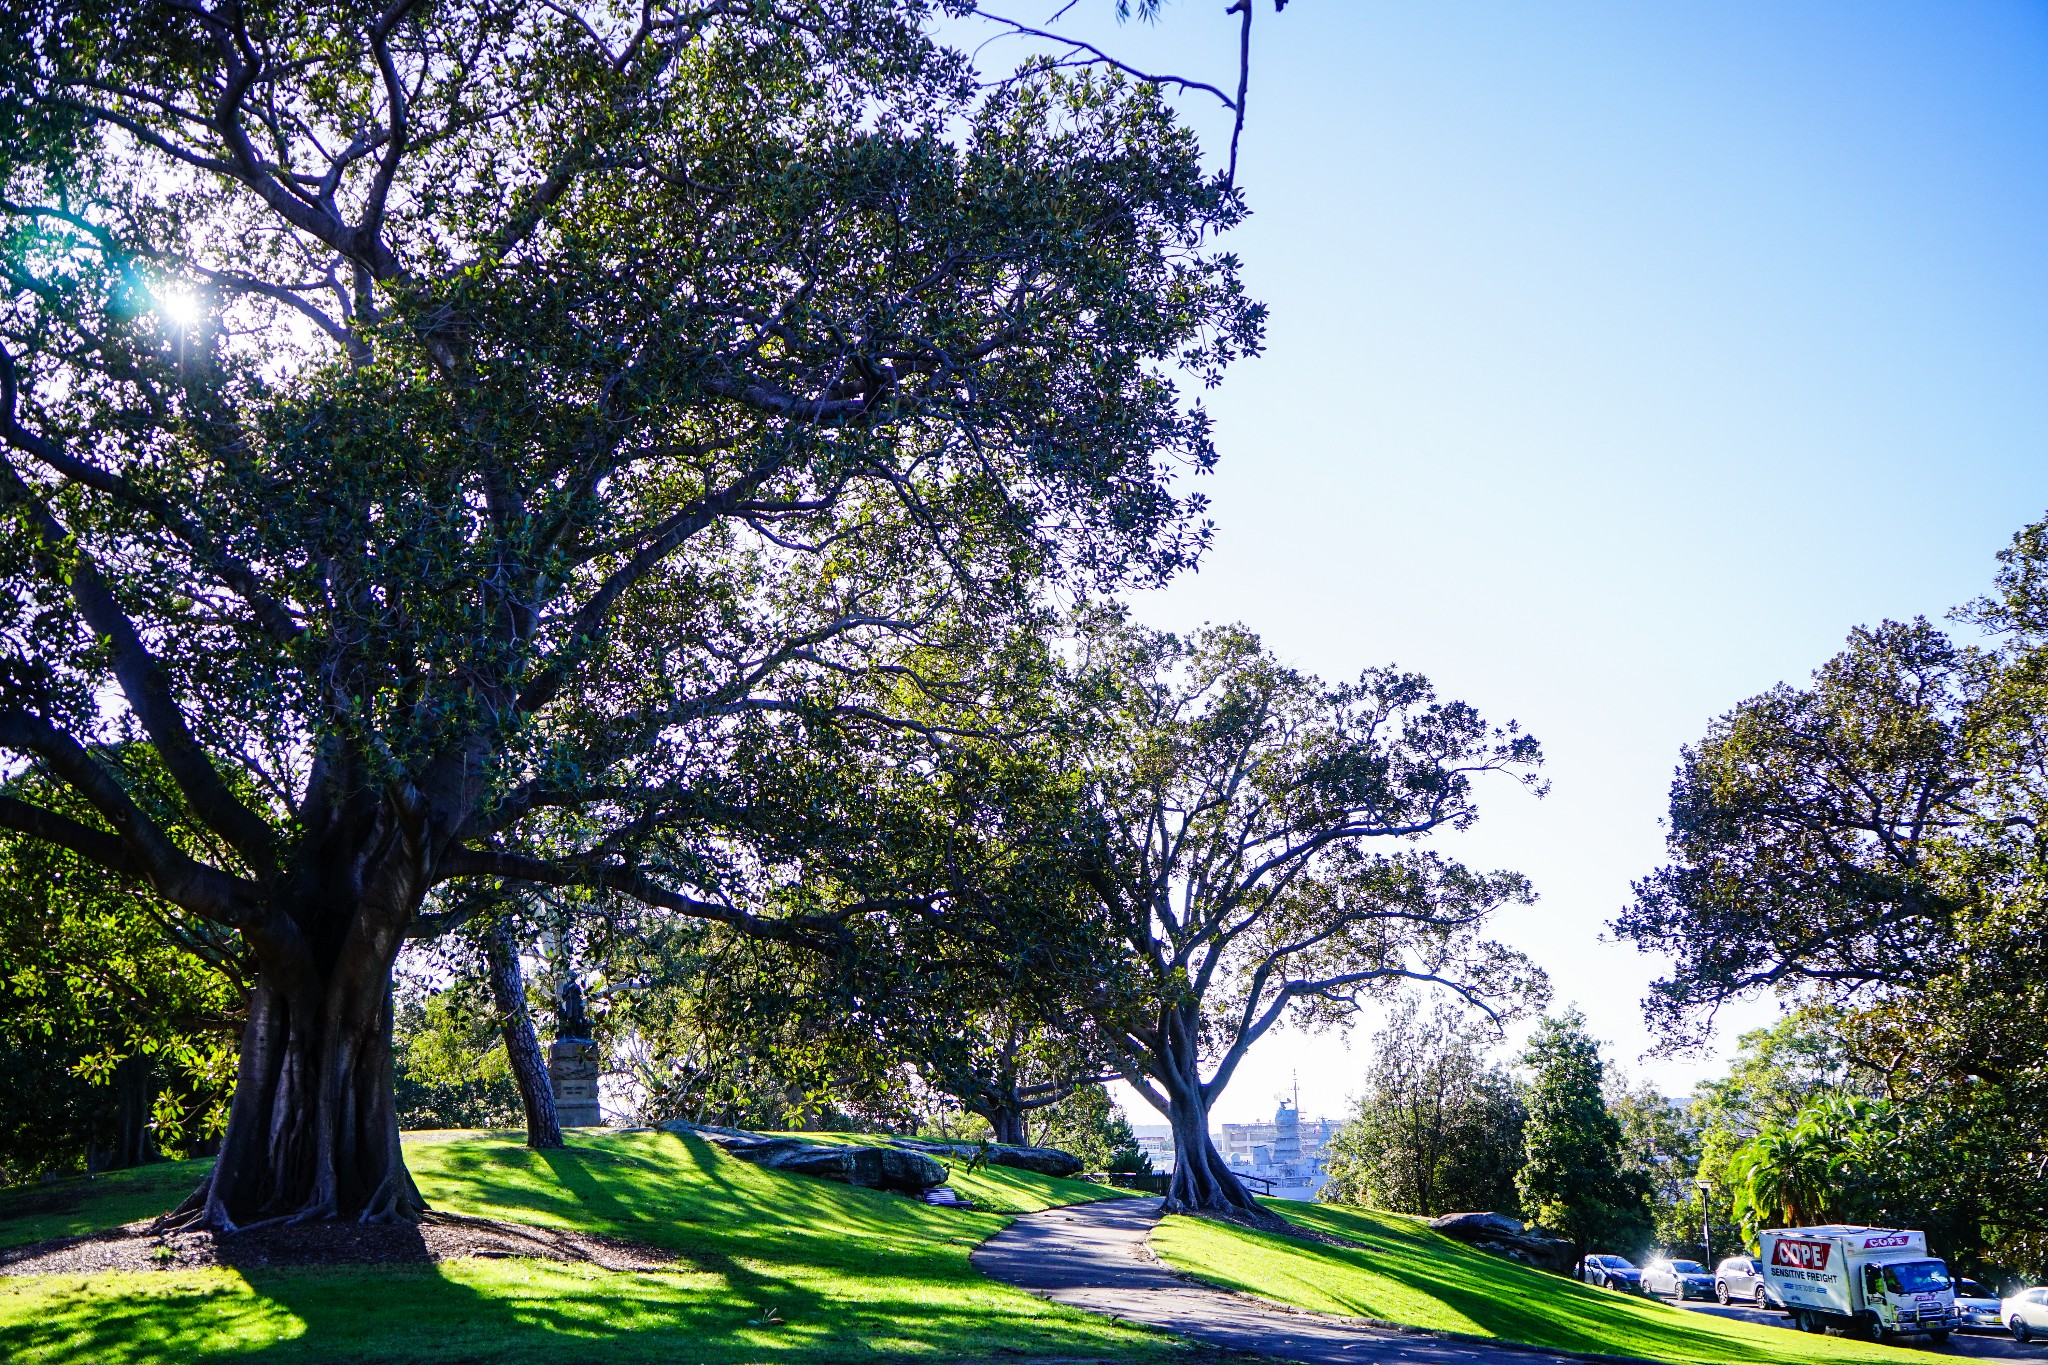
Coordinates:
1803 1255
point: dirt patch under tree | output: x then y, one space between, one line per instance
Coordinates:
443 1237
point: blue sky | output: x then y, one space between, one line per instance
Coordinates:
1623 357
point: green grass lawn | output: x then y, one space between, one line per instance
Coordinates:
853 1274
1409 1274
36 1213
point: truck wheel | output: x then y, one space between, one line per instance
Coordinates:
1813 1322
1721 1292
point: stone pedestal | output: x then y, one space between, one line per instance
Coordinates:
572 1067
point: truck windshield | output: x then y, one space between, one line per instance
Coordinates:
1916 1277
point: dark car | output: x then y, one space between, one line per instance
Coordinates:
1679 1280
1614 1272
1978 1306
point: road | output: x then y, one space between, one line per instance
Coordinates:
1974 1345
1093 1256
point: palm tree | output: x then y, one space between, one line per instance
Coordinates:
1781 1178
1822 1168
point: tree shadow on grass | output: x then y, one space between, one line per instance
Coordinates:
776 1267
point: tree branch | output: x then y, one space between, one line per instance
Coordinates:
680 527
146 850
803 930
142 681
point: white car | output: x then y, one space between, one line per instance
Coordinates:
1679 1280
1978 1307
1740 1278
2026 1314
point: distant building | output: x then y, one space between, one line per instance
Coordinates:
1156 1141
1287 1151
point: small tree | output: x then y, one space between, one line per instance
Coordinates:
1659 1140
1436 1129
1232 805
450 1068
1843 1159
116 1041
1574 1179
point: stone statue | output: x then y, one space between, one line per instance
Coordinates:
573 1063
570 1021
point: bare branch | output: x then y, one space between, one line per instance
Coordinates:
1097 57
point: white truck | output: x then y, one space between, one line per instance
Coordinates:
1878 1283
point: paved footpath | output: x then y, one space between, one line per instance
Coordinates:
1093 1256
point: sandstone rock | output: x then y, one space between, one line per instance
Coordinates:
1469 1226
1041 1160
873 1168
1501 1235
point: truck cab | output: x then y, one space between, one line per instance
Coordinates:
1878 1283
1910 1296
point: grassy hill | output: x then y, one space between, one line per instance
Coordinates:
852 1274
1408 1274
773 1269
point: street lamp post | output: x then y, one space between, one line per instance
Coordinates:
1706 1221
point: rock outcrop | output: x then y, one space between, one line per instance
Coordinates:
1042 1160
1509 1237
873 1168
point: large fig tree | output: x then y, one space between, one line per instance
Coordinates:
434 431
1257 850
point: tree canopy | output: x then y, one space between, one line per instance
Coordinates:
1871 845
1250 844
1436 1128
1804 830
440 434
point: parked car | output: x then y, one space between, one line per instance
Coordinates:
1614 1272
1978 1307
2026 1314
1679 1280
1740 1278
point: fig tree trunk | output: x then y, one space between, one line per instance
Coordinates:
1202 1181
1006 1122
312 1131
